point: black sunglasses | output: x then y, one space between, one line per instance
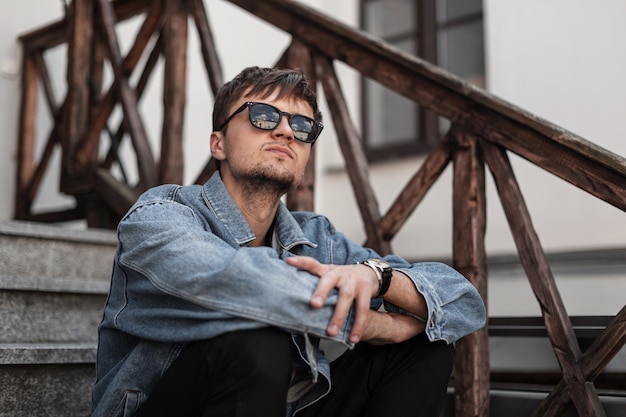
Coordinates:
266 117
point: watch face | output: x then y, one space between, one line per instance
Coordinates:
378 263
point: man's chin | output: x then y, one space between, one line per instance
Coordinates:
272 180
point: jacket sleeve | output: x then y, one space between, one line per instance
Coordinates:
177 281
455 308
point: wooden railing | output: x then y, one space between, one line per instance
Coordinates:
484 130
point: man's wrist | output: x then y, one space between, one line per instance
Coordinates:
384 272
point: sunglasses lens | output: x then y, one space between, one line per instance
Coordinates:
302 127
264 117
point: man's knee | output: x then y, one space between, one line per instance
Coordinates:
424 359
442 357
260 353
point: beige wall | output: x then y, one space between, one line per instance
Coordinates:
562 60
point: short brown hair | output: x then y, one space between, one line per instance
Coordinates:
263 82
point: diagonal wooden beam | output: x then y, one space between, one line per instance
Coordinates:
42 166
595 359
353 154
89 144
207 45
145 159
119 196
534 260
44 75
605 347
142 83
415 190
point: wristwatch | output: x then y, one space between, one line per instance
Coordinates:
383 273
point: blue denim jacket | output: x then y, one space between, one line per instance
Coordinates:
183 272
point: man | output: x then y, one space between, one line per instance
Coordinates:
220 296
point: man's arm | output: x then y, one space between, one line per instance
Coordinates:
430 291
357 284
386 328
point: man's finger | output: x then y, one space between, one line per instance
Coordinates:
306 263
326 283
362 308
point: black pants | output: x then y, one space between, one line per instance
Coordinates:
247 373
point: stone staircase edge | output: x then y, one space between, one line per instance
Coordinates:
54 284
47 353
46 231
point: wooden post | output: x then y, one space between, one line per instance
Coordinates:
76 115
302 198
175 51
26 142
471 372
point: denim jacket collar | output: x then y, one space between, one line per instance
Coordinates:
220 202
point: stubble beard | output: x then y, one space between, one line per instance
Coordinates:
267 181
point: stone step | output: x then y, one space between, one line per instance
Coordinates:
53 282
37 250
47 379
47 353
53 286
59 310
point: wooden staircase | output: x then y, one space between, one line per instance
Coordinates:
53 285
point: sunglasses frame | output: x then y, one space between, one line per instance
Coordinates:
317 126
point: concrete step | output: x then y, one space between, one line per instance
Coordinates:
53 282
53 312
46 379
53 286
36 250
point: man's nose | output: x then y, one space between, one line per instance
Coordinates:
283 129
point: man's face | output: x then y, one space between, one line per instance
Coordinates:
273 156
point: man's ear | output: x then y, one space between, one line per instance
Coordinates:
217 146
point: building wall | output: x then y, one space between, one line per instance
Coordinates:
559 59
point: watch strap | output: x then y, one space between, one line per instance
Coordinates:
386 274
383 272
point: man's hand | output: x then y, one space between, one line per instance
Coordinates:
356 284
